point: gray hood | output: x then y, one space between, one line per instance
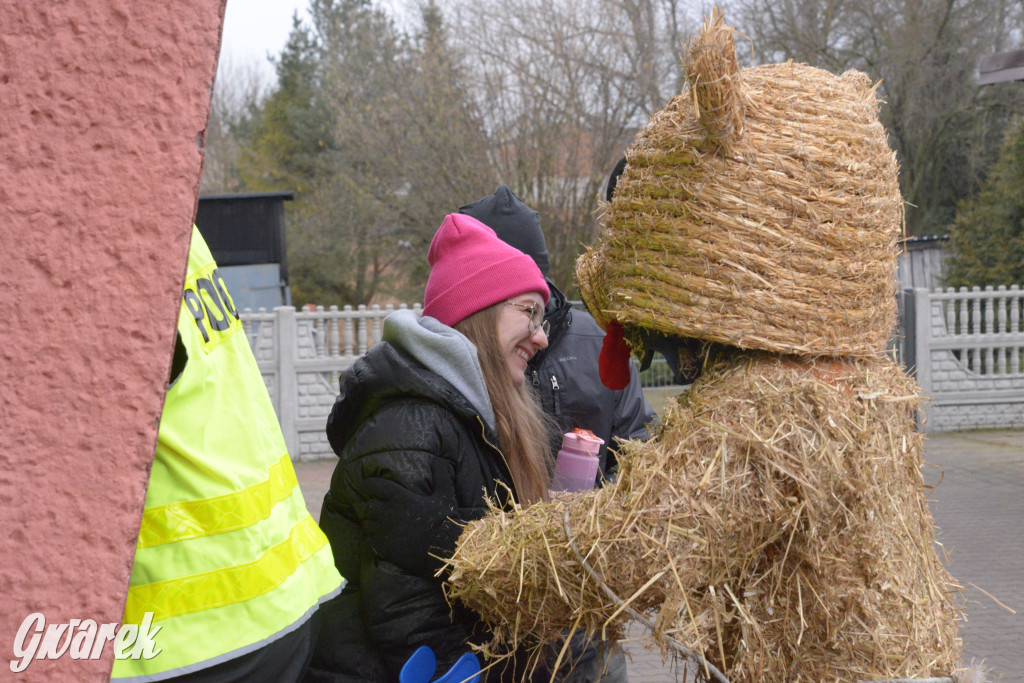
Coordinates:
445 351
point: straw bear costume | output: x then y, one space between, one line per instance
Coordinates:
776 525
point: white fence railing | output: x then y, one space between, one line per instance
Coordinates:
966 347
301 354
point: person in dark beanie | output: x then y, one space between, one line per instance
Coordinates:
565 376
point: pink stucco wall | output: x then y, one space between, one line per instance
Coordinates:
103 108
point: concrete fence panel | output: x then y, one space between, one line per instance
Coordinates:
301 354
969 356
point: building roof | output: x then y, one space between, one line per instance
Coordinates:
288 195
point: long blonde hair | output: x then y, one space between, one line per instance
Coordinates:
522 426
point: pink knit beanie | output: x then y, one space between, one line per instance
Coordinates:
471 269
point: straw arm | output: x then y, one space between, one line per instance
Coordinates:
699 660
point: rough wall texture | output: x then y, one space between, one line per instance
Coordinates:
104 107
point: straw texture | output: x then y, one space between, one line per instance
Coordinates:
777 524
759 209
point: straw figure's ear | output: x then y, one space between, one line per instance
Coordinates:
714 77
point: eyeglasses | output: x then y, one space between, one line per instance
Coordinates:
536 314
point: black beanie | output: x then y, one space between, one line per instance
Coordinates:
514 222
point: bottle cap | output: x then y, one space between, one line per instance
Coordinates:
583 440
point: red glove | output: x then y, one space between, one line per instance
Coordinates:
613 363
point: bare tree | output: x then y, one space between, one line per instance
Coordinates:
562 86
381 130
944 128
237 93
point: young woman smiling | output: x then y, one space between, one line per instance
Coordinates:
431 422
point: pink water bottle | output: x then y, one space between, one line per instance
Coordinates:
577 462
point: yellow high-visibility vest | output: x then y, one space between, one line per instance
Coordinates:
228 557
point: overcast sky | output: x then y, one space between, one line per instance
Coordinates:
254 29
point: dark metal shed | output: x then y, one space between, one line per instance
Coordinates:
246 234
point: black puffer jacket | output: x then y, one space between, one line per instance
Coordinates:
416 458
565 376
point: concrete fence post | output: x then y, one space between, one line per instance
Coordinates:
904 341
922 326
287 382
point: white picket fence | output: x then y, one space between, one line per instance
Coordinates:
966 348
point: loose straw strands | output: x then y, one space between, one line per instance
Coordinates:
776 526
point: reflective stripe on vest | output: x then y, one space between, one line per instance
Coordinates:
228 557
174 597
192 518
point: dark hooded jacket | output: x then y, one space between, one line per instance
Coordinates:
565 375
414 433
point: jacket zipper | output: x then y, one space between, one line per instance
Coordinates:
483 434
536 379
556 397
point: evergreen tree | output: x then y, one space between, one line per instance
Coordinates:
439 139
292 129
987 236
373 131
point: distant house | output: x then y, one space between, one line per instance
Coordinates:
1002 67
246 234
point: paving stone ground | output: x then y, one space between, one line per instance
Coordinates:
978 505
979 509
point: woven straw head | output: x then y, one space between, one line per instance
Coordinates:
760 209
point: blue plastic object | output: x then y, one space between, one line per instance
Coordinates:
466 669
421 666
